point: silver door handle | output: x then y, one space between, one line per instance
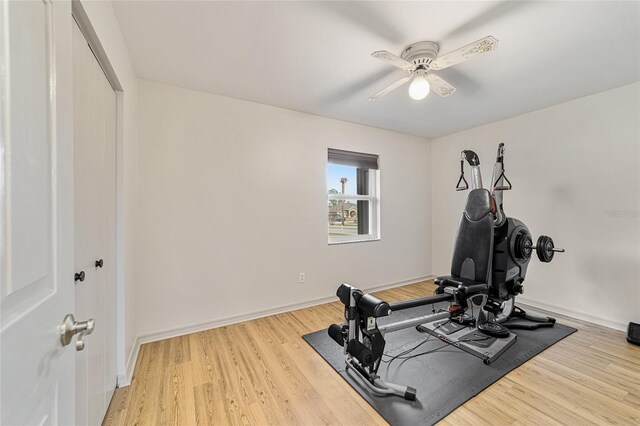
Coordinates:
71 327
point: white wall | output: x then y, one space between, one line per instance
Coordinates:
106 26
232 208
575 169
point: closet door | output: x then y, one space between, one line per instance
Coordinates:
86 210
94 200
109 254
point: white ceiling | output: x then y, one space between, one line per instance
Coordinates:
315 56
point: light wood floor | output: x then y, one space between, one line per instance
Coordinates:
262 372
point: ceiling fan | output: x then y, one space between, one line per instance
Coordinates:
420 59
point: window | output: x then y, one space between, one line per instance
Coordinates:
353 198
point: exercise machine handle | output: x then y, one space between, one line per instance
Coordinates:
465 184
476 288
506 187
462 180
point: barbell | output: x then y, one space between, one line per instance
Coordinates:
545 249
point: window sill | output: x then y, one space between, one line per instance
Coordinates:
334 243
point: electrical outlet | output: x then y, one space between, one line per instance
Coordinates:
301 278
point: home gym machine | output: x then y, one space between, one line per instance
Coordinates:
490 259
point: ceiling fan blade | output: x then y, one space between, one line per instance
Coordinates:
394 60
389 88
440 86
465 53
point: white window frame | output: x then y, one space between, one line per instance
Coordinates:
374 212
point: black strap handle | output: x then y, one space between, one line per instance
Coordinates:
462 180
502 188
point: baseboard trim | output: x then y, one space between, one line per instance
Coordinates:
125 379
606 322
562 310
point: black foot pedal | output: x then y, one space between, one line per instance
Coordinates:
494 329
410 394
464 319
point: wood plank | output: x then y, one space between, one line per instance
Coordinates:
117 411
178 400
146 385
585 378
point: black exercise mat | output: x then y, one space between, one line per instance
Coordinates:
444 379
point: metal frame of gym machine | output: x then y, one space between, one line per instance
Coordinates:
492 304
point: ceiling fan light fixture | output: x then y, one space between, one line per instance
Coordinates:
422 58
419 87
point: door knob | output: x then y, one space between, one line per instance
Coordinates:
99 263
71 327
79 276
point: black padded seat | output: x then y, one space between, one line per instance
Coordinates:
451 281
473 249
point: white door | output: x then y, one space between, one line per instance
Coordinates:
94 199
36 223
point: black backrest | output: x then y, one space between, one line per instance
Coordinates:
474 243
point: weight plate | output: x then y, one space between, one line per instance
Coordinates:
544 249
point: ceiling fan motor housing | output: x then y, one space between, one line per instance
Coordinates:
421 53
